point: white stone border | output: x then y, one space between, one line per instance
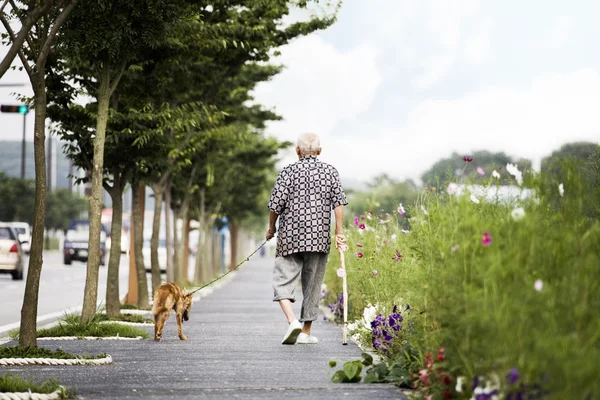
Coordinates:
55 361
142 324
57 394
134 312
90 338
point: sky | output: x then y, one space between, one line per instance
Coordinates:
396 85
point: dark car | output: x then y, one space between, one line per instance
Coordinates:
76 242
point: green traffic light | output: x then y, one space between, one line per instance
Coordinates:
23 109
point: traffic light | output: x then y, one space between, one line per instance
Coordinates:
22 109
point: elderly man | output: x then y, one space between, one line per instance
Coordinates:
305 192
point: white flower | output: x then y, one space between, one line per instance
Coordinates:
518 213
514 171
341 273
455 247
405 231
538 285
459 384
401 210
344 247
393 237
452 188
424 210
561 190
474 199
495 174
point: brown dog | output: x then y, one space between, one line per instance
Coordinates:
167 297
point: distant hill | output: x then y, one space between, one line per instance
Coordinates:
10 161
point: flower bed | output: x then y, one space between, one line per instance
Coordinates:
481 298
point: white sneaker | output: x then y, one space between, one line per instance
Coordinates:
292 333
303 338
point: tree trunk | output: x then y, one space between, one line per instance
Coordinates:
154 264
185 253
169 232
208 251
113 299
90 296
176 248
138 192
233 236
28 326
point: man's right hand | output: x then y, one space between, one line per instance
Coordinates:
340 240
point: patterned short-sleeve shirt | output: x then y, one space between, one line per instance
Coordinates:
304 194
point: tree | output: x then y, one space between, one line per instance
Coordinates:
105 37
454 167
33 52
579 151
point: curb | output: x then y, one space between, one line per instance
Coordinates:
139 324
89 338
57 394
55 361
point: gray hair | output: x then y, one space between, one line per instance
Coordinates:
309 143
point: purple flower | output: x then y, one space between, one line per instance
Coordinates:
356 221
486 239
362 226
375 272
513 376
359 245
398 256
377 343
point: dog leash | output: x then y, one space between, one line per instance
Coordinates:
231 270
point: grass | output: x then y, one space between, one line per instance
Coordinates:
72 326
39 352
136 318
11 383
134 307
526 301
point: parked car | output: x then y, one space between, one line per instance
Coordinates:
75 247
24 232
11 254
162 255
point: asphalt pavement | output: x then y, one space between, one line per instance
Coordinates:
233 351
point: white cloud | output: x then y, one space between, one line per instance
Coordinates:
477 48
530 123
320 86
561 31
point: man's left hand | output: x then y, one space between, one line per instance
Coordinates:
270 233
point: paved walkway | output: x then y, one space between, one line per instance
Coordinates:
233 351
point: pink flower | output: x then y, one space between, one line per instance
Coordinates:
480 171
486 239
375 272
359 254
398 256
452 188
467 159
362 226
359 245
356 221
341 273
401 210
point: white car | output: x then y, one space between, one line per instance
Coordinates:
162 255
11 259
24 232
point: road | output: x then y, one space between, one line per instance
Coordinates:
61 287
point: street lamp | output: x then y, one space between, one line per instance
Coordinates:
21 109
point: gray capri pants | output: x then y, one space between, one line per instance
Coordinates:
310 268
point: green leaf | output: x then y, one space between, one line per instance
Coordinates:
367 359
340 377
332 363
353 368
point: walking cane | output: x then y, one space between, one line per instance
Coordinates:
344 292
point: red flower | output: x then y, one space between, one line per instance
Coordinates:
362 226
428 361
440 356
424 377
486 239
446 380
467 159
447 395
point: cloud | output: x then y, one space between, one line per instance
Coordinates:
320 86
529 122
477 48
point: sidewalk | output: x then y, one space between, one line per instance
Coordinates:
233 351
